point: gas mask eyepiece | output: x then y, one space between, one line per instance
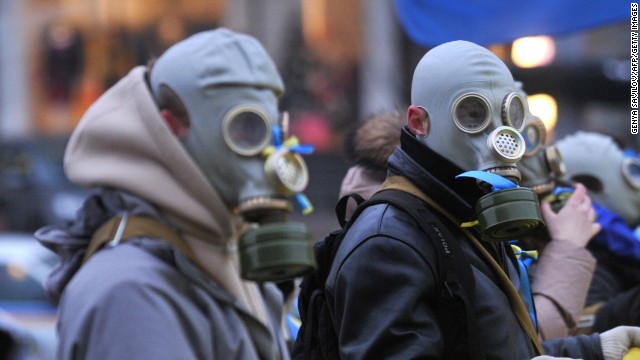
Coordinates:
631 171
472 112
540 166
246 130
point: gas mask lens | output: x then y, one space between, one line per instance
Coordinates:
471 113
534 134
554 161
513 111
631 171
246 130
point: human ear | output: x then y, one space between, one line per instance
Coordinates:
418 120
178 126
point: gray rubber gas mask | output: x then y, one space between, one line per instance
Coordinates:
542 165
230 89
476 115
611 174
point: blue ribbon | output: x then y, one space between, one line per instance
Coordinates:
293 146
524 260
496 181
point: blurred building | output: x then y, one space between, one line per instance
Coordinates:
341 60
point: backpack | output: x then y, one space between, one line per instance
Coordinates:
317 338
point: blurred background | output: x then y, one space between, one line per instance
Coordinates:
341 61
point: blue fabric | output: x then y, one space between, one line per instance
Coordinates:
524 261
616 236
292 320
496 181
432 22
525 291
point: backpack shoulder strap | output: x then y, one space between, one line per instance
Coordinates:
121 228
456 281
448 249
517 304
341 207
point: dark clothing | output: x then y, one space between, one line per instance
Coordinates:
383 281
616 284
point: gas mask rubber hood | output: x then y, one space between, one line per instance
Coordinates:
224 70
610 174
230 89
475 116
474 109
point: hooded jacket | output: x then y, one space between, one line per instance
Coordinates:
382 283
143 299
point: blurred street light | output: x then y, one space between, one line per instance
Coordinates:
545 107
533 51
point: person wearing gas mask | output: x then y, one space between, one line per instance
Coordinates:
562 268
458 155
562 275
174 255
610 173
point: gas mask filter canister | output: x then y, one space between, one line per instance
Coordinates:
506 213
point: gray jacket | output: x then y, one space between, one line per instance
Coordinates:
142 299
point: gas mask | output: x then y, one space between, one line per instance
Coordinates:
272 249
476 115
230 89
611 175
541 165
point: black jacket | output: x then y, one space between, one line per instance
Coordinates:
383 282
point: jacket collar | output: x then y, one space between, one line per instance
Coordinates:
435 176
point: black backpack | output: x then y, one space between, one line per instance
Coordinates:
317 338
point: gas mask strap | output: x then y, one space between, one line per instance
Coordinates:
520 309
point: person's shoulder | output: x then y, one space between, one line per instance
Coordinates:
114 269
387 220
381 222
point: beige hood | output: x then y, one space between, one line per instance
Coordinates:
122 142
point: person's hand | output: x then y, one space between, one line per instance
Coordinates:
575 222
617 341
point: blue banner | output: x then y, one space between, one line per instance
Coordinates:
432 22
